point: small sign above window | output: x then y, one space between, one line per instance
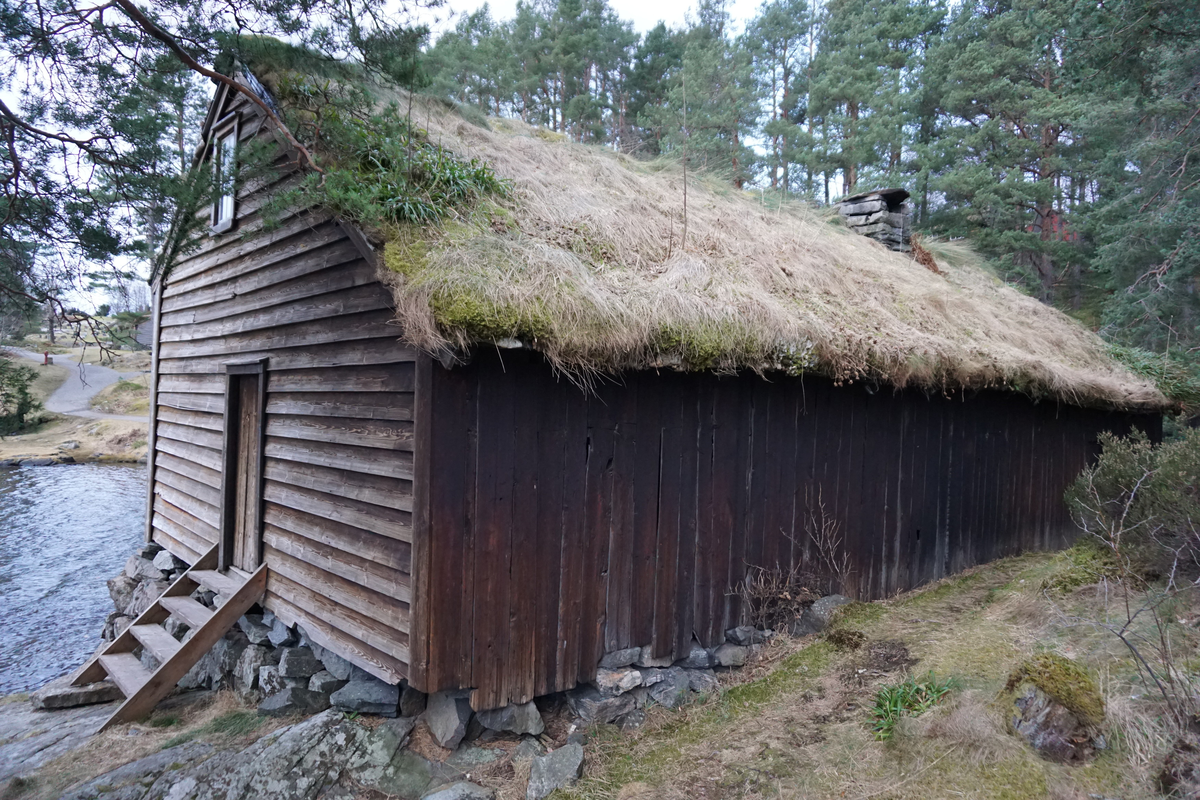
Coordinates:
224 166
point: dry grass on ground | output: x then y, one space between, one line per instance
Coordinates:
797 724
220 719
114 440
125 397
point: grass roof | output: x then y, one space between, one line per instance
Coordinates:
585 261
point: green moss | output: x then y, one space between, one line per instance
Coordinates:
1081 565
856 613
1063 680
481 320
406 254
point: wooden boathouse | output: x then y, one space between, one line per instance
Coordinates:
494 511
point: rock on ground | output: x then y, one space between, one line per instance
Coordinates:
697 658
368 696
293 700
730 655
61 694
621 658
746 635
817 617
447 715
515 718
617 681
30 737
592 707
672 690
461 791
555 770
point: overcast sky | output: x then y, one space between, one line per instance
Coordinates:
644 14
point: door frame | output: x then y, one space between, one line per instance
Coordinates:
229 459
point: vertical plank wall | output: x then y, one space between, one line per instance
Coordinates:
337 496
556 526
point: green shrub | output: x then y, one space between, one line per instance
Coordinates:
1140 502
16 399
909 697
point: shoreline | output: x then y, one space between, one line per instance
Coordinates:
66 461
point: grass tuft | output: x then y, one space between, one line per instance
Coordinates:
230 724
910 697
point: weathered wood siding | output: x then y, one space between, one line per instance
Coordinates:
337 489
555 526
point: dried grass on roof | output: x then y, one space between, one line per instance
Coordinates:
586 264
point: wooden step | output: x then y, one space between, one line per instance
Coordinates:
155 638
126 671
224 585
187 610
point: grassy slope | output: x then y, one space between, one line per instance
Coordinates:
799 726
124 397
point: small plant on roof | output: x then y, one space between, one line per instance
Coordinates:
910 697
380 170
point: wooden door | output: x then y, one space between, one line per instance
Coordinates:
241 517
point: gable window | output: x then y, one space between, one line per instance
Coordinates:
224 164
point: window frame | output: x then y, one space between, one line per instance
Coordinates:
226 128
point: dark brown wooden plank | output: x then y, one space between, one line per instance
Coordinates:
193 419
619 611
376 489
383 349
380 378
527 582
207 403
364 325
570 594
190 469
382 607
366 629
552 449
200 437
362 572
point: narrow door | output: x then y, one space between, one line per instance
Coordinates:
241 528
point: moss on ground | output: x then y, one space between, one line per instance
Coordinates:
1065 681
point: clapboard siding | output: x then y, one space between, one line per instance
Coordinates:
555 525
337 488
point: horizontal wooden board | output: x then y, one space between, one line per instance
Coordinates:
372 461
165 476
209 403
363 352
204 532
316 271
357 300
365 405
200 455
369 631
364 545
175 546
390 522
244 239
376 489
379 664
385 609
366 325
212 383
381 434
359 571
396 377
190 469
201 437
206 513
193 419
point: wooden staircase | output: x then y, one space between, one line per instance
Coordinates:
144 689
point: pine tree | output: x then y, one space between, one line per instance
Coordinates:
777 40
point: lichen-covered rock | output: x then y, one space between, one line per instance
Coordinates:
697 658
515 718
592 707
730 655
703 681
293 700
621 658
672 690
617 681
447 715
746 635
817 617
368 696
1057 707
60 693
246 671
554 770
325 682
144 596
461 791
120 589
298 662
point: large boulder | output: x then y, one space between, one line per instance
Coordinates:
672 690
1056 707
514 718
554 770
447 715
294 700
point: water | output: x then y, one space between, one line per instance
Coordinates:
64 531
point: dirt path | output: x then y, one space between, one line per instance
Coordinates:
74 397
